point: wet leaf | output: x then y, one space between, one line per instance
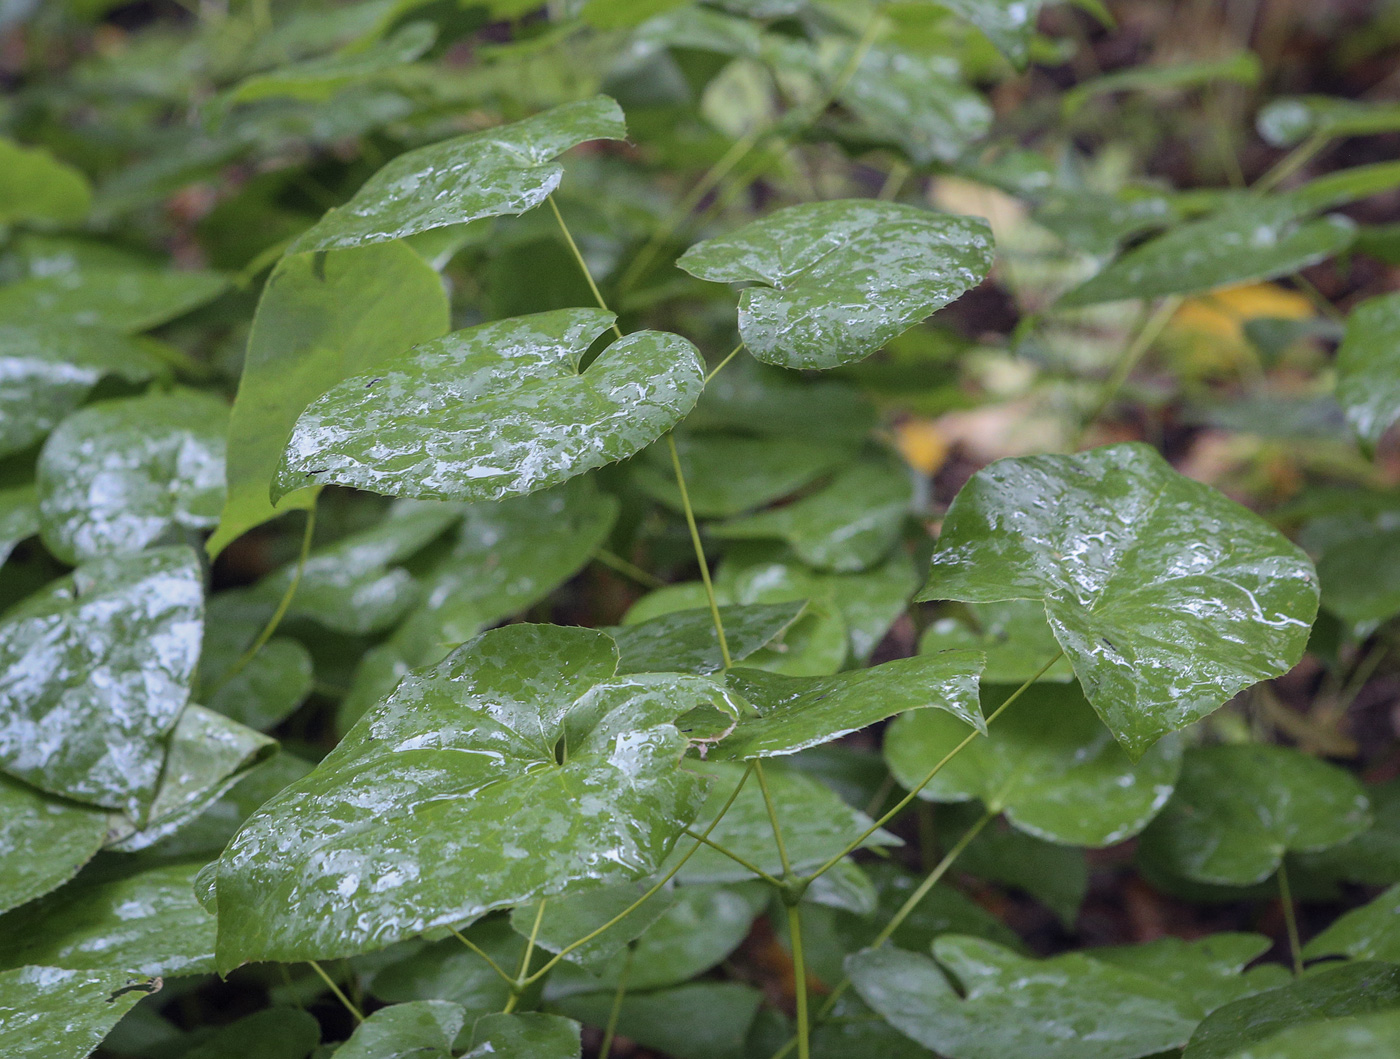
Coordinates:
1375 1036
1048 763
1371 932
685 641
568 918
94 671
320 320
120 475
448 970
266 691
839 279
43 841
496 410
54 1013
149 922
1285 122
1368 370
450 799
703 1020
120 299
422 1029
496 172
849 524
1238 808
48 369
531 1036
36 186
1167 597
19 517
1209 969
1012 633
794 713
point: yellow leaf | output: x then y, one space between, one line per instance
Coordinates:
1223 313
922 445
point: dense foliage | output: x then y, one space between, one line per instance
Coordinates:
718 530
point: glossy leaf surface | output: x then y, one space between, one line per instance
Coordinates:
530 1036
500 171
461 793
1167 597
55 1013
320 320
1012 633
839 279
422 1029
94 671
43 841
1239 808
1371 932
1374 1036
120 475
685 641
496 410
1368 367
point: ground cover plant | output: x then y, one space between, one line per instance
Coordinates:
727 530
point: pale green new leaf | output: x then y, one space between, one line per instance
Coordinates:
496 172
94 671
321 319
685 641
120 475
1371 932
1167 597
461 794
496 410
837 280
1239 808
36 186
43 841
529 1036
1368 367
421 1029
55 1013
1048 763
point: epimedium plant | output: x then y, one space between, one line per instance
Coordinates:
476 595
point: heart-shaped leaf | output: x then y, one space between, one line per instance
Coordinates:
493 173
839 279
120 475
461 794
685 641
36 186
1368 369
421 1029
50 367
1371 932
43 841
795 713
495 410
1239 808
120 299
1012 633
530 1036
321 319
1167 597
1048 763
148 922
94 671
55 1013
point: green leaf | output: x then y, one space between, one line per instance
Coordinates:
1098 223
50 367
1248 240
1286 121
448 970
748 397
422 1029
568 918
849 524
1371 932
726 474
19 517
799 712
120 475
450 799
54 1013
320 320
209 754
121 299
1012 633
685 641
1009 24
1239 808
273 1033
1057 876
1368 370
43 841
266 691
1207 969
1336 993
94 671
532 1036
36 186
1180 598
816 824
1374 1036
493 173
149 922
1241 68
841 278
703 1020
1066 1007
1048 763
496 410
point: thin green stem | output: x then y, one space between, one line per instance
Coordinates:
1300 156
1150 331
1290 919
736 858
772 816
530 945
582 264
611 1029
330 983
632 570
699 552
894 182
718 367
914 792
282 607
562 953
482 953
799 980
